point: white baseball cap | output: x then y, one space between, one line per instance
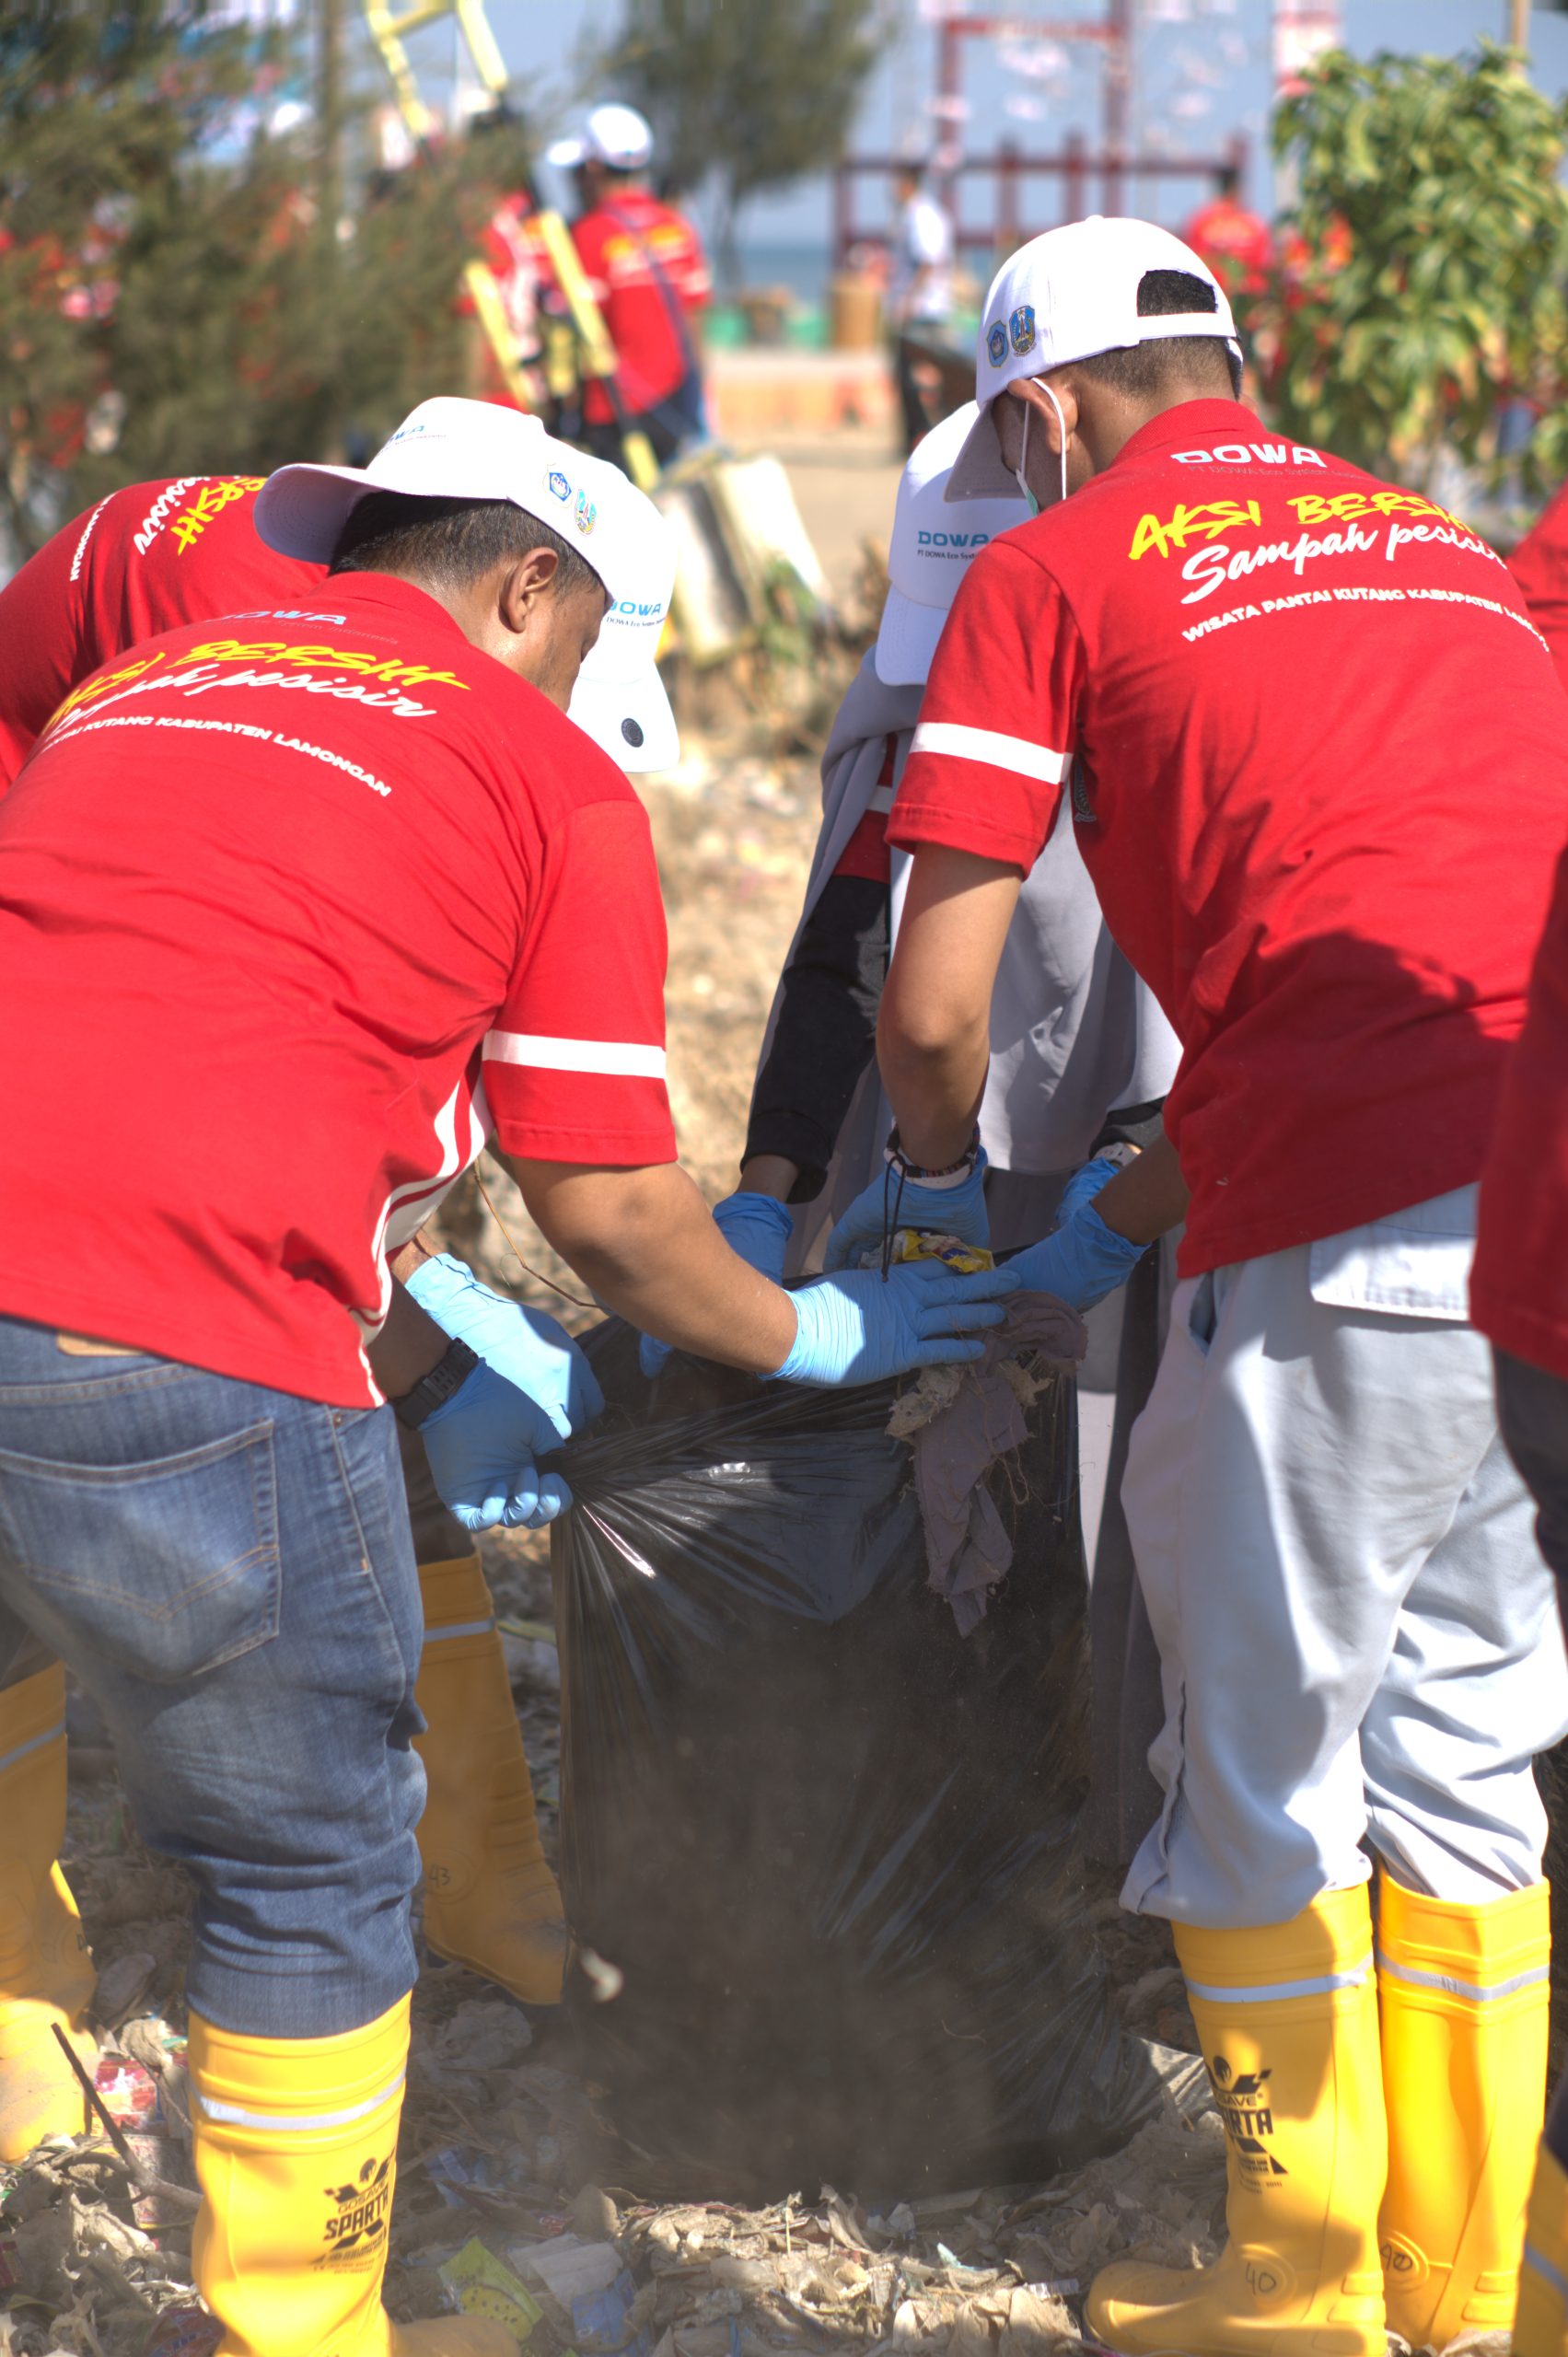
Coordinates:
448 449
1067 295
931 551
620 698
614 134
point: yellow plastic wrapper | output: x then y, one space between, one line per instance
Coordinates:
921 1244
485 2286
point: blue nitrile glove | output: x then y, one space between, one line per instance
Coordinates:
945 1211
863 1326
482 1443
756 1226
529 1348
1082 1260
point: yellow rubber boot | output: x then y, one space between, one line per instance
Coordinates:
295 2141
1464 1993
490 1902
1287 2014
46 1974
1540 2326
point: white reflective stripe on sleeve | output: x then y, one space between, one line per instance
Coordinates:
1323 1985
459 1628
1451 1987
233 2115
1542 2266
1015 753
34 1742
623 1058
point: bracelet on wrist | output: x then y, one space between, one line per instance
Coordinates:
950 1174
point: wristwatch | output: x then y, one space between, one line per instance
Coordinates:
451 1370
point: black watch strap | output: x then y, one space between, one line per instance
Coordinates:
454 1367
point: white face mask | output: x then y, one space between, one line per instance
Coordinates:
1019 471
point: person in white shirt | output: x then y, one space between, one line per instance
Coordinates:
920 288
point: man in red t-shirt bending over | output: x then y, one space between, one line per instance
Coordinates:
145 560
296 910
1316 755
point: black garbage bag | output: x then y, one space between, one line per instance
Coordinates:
826 1847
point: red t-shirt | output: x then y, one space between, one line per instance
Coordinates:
1319 765
295 909
1540 566
144 560
619 242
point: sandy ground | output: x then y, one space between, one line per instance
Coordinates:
502 2140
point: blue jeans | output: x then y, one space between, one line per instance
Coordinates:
228 1572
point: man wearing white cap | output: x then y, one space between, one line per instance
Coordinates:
144 560
648 274
1256 673
296 910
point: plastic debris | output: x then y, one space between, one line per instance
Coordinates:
184 2332
569 2269
483 2285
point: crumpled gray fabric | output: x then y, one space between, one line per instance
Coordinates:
959 1420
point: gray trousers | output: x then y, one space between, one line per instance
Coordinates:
1357 1634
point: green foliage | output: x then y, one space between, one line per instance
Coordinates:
1435 230
756 92
173 300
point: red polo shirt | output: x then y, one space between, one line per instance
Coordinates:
1319 768
144 560
295 909
627 245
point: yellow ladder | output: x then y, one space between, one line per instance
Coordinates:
388 29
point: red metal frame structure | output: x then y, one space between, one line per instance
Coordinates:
1114 38
1073 164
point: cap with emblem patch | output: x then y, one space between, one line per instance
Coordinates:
449 449
1067 295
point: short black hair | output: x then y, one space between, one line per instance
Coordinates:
1147 370
449 540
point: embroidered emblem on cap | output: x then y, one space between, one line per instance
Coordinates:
556 481
1021 328
996 343
586 514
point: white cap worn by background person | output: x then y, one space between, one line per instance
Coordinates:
931 549
448 449
614 134
1067 295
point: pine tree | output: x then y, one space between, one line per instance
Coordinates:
175 297
756 93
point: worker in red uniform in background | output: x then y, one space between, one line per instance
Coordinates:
1235 241
648 274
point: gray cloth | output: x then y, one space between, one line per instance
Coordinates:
959 1421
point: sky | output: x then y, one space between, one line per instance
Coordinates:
1202 74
